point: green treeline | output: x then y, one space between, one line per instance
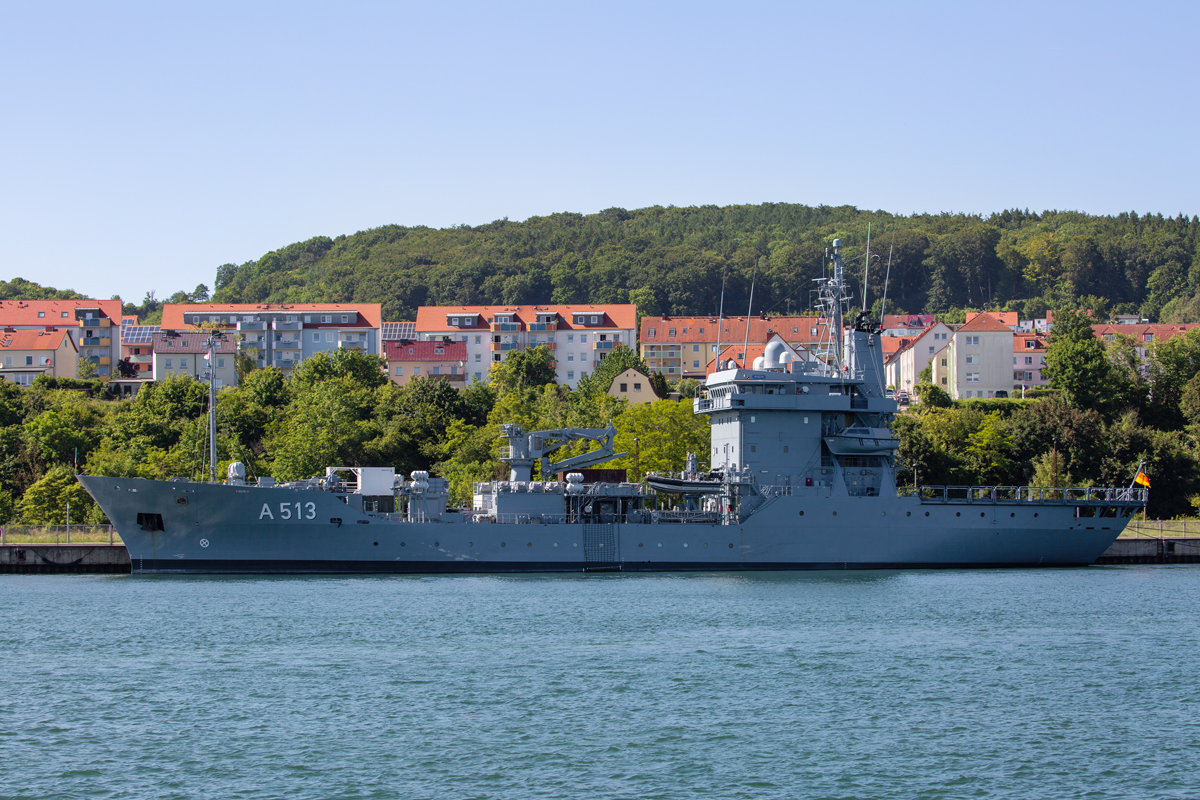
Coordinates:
672 260
336 409
1109 409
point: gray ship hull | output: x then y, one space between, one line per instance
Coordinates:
207 528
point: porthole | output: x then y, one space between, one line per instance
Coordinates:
529 544
835 513
1035 513
556 544
574 544
802 513
927 513
884 513
958 513
685 544
402 544
1013 514
981 513
731 545
706 544
639 544
660 544
377 544
470 544
437 544
502 544
908 513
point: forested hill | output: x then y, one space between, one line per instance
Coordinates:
672 259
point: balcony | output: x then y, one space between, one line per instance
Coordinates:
252 326
605 345
347 344
498 347
459 378
91 341
287 326
285 363
146 359
93 322
287 345
507 327
543 326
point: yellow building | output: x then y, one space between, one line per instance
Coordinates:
634 387
26 354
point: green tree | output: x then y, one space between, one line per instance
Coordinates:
523 369
932 396
85 369
666 433
989 451
45 502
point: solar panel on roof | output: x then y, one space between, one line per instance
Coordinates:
139 334
394 331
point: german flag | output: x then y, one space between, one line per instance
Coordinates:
1143 479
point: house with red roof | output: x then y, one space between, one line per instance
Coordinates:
1029 357
902 367
579 336
442 360
92 325
685 347
978 358
28 354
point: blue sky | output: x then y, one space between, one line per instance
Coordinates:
144 144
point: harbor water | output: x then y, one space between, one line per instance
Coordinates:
1009 683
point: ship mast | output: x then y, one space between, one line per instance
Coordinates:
214 337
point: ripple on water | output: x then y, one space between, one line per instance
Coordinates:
891 684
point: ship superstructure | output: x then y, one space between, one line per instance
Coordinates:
799 475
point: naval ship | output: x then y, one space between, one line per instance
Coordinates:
800 475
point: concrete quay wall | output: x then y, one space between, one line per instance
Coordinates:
64 558
1167 550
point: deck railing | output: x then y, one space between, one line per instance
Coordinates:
1059 495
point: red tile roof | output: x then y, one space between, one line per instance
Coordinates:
433 318
25 312
425 351
908 320
690 330
1020 339
1006 317
370 315
984 322
33 340
1160 332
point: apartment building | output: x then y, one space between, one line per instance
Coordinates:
442 360
283 335
686 347
1029 357
27 354
92 325
909 325
978 359
178 353
1142 333
580 336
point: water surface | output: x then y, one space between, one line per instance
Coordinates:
1046 683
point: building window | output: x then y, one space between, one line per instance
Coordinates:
583 338
168 364
183 363
695 365
399 371
63 315
570 356
477 376
972 377
478 340
651 336
624 387
695 348
595 320
812 331
1029 360
943 381
436 371
1149 337
671 332
931 350
416 370
570 376
454 322
329 336
41 314
220 363
972 359
972 341
316 336
1031 344
326 318
478 356
439 351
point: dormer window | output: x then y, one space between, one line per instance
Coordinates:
454 321
41 313
63 314
651 336
595 320
345 318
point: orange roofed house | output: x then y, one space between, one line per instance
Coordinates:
92 325
684 347
579 336
284 334
410 359
28 354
